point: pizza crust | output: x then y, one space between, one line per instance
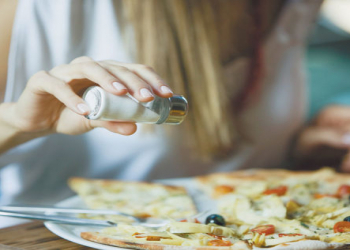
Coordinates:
307 245
108 240
82 185
300 245
252 175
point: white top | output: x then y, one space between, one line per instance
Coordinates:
51 32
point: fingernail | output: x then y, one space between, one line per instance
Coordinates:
346 139
166 90
119 86
83 108
146 93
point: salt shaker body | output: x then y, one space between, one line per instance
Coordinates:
109 107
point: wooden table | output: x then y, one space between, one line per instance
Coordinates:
34 236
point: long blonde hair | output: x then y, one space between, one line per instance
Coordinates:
180 40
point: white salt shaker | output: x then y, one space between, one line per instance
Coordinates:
109 107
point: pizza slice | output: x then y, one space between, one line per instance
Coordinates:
275 233
175 235
301 205
141 199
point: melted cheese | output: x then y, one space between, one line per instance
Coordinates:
252 212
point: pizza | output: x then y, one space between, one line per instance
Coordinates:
140 199
266 208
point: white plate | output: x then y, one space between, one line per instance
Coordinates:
72 232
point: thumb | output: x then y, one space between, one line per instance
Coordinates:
334 116
123 128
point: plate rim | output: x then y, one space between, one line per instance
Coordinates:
57 229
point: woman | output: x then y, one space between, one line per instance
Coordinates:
238 63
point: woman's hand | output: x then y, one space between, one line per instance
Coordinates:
326 142
51 103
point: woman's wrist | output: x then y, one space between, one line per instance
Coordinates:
7 121
11 133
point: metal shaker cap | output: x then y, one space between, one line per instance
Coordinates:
177 110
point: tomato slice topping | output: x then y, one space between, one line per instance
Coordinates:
195 220
223 189
149 237
219 243
215 236
144 215
281 190
281 235
264 229
343 190
342 227
319 196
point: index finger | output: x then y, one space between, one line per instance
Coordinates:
88 70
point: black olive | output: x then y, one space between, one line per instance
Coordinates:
347 218
215 219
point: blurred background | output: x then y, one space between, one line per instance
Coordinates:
328 57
